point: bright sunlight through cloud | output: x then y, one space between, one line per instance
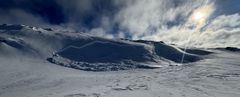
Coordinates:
200 16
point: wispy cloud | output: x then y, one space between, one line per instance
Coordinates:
147 17
208 22
175 22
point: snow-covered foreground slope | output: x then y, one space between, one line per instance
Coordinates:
85 52
33 63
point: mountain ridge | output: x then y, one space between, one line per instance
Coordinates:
89 52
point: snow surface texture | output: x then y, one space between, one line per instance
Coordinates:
85 52
28 58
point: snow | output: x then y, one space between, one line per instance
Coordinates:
26 72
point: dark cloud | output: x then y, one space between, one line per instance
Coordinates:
135 19
49 10
78 14
88 13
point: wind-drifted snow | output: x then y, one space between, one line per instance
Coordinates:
28 58
85 52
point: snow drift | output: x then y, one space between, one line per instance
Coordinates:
87 52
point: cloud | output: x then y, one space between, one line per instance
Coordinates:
225 22
206 22
16 16
144 17
85 15
222 31
48 10
186 22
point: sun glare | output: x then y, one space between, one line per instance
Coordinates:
200 15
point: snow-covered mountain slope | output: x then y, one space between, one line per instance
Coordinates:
33 63
85 52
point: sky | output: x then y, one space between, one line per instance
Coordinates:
198 23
